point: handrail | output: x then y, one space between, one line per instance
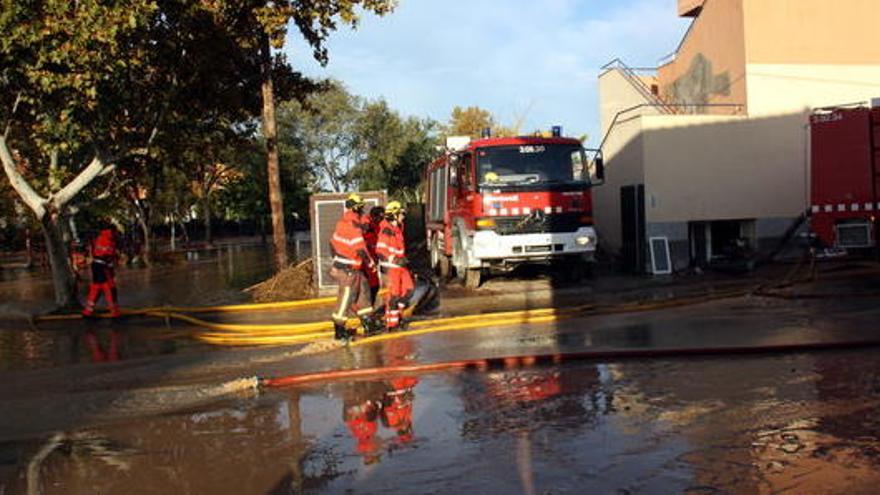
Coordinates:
630 75
676 105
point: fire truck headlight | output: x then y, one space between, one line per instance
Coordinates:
584 240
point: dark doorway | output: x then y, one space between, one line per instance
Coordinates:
699 244
632 217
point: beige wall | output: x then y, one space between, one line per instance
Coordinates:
622 149
686 7
775 88
714 167
811 31
624 166
710 64
616 94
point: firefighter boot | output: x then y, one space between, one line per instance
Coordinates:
372 326
340 332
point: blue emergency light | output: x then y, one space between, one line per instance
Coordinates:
556 130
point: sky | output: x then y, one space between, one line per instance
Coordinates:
536 61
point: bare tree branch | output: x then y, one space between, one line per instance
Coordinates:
95 168
34 201
14 108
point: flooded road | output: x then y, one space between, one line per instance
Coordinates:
799 423
198 277
206 277
110 407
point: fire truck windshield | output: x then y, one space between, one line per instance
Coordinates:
531 164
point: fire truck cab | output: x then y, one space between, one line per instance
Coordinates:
496 203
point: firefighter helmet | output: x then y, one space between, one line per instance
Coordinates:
393 208
354 201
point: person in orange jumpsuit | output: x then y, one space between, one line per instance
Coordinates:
103 254
396 277
350 256
371 236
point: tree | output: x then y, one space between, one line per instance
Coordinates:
90 85
315 19
471 121
322 130
393 151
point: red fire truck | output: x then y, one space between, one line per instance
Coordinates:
495 203
845 179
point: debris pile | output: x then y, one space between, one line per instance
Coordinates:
292 283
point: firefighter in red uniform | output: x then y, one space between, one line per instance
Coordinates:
103 254
350 257
396 277
371 236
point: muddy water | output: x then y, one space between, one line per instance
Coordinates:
802 423
196 277
199 277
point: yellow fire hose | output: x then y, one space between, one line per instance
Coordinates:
280 334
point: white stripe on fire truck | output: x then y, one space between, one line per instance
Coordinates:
815 208
515 212
493 212
527 211
828 208
869 206
504 212
558 209
841 207
548 209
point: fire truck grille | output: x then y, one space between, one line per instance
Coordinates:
854 235
564 222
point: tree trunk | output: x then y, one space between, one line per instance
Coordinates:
276 200
206 210
63 278
147 253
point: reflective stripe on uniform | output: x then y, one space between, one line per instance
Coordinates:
339 315
350 242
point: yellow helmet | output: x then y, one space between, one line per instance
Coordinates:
354 201
393 208
490 177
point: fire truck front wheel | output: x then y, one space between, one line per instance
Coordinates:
439 261
460 260
472 278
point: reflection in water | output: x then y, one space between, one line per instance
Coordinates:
100 353
390 402
793 422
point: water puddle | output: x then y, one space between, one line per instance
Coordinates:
658 427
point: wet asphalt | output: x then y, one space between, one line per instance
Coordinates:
84 418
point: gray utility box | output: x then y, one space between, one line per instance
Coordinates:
325 210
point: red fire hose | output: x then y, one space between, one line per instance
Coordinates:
511 362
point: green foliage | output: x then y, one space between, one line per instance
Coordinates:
393 151
344 142
471 121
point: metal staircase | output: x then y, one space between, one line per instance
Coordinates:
631 75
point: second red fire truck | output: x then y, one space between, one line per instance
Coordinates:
496 203
845 178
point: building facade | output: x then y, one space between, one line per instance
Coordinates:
710 150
